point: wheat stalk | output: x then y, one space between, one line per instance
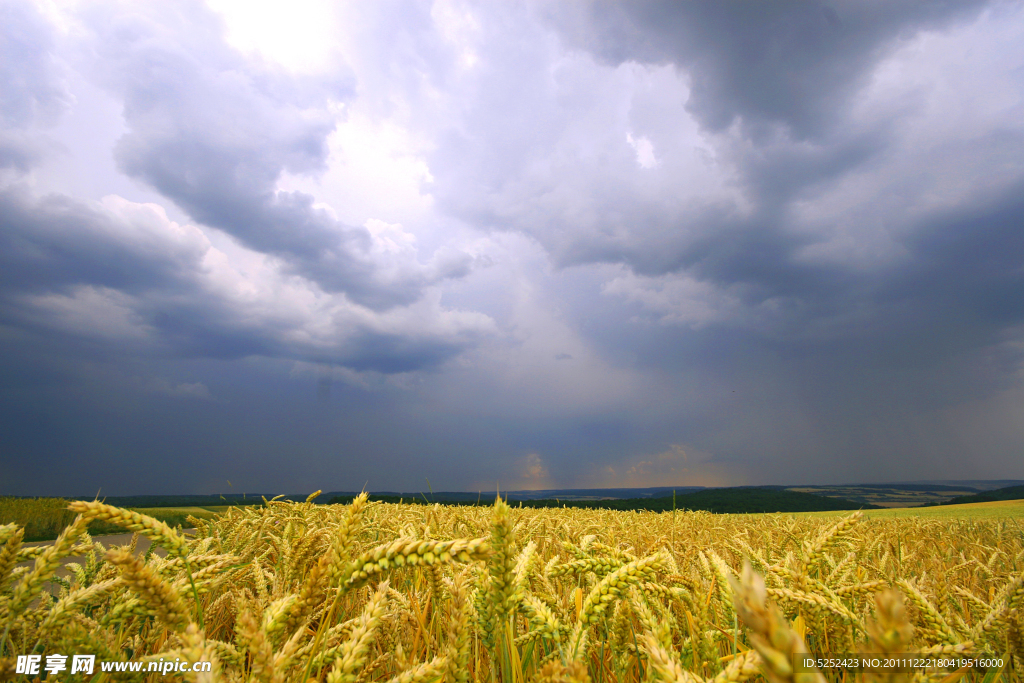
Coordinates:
156 593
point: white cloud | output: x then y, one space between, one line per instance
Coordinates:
644 150
300 35
376 170
456 22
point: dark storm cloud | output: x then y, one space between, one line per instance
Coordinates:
57 242
866 376
120 272
789 63
124 273
564 173
214 132
789 73
849 262
938 322
966 280
727 243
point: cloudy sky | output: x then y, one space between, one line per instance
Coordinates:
534 244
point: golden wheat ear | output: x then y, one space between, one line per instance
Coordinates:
11 535
890 630
154 592
355 651
459 636
556 672
771 635
156 531
45 566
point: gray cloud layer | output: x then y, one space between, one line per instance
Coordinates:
213 133
789 63
668 243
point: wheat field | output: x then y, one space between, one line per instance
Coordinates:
44 518
381 592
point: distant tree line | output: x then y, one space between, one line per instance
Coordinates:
740 500
1008 493
736 500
